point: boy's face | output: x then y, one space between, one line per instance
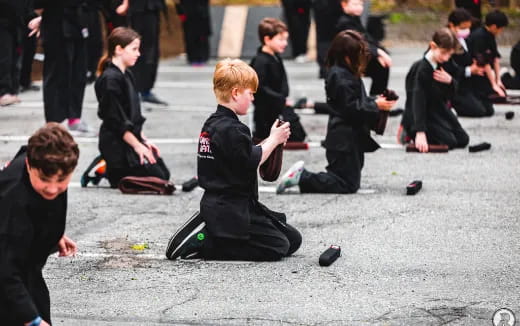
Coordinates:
243 99
277 43
353 7
48 187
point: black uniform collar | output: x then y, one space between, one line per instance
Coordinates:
275 56
110 65
226 112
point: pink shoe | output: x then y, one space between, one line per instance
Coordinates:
8 99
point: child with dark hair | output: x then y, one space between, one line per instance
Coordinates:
483 47
378 66
427 119
122 143
513 81
352 115
33 209
233 224
467 102
271 100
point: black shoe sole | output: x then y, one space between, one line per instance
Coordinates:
192 226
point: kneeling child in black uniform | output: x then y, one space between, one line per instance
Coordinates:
233 224
351 116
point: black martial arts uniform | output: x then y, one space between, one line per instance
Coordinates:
30 228
483 46
272 92
28 51
95 38
112 19
298 17
509 81
271 96
374 70
120 110
144 18
14 16
427 110
239 226
64 30
196 24
467 102
352 114
473 6
326 14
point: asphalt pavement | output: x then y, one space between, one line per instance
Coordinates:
447 256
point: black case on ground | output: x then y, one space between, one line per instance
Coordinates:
330 255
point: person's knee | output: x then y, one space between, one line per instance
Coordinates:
294 238
278 250
462 140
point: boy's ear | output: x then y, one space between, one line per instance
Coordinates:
433 46
234 92
266 38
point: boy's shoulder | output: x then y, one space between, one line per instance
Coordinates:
264 58
13 189
11 174
346 21
480 34
223 122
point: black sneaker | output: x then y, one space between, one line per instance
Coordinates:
187 241
151 98
94 172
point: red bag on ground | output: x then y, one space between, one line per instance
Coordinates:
146 185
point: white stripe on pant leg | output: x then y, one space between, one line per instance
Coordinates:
233 30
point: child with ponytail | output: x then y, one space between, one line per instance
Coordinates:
122 143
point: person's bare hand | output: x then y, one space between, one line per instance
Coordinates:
289 102
499 90
421 143
34 26
122 9
66 247
280 134
384 59
442 76
153 148
383 104
144 153
500 84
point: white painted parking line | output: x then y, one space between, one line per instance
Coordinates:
80 140
289 66
109 255
146 106
261 189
